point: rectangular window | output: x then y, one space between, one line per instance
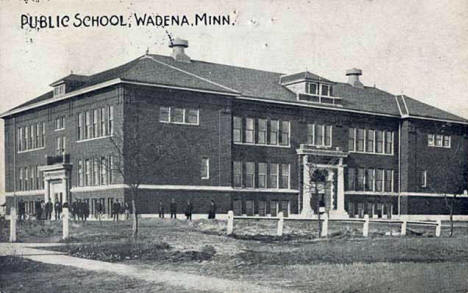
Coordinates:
43 134
430 140
58 148
351 139
38 135
26 178
110 166
80 173
96 124
351 179
20 139
102 114
380 141
310 134
177 115
389 142
439 140
262 175
262 131
325 90
87 130
21 184
388 180
249 130
379 180
370 180
33 176
328 135
237 173
262 208
110 130
284 133
26 134
361 177
361 133
370 141
164 114
33 136
205 168
38 180
274 125
191 116
423 178
312 88
284 183
103 171
250 174
237 129
319 135
249 207
96 168
447 141
87 173
80 127
273 176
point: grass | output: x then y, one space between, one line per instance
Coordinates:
22 275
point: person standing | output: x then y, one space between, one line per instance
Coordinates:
21 210
98 210
212 212
173 209
85 211
188 210
161 210
58 210
79 210
48 208
38 209
127 210
116 210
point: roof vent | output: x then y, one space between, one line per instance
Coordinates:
353 77
178 45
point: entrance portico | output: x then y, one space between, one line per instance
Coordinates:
329 192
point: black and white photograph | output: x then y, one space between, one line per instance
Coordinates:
234 146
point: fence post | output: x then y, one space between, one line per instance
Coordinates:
65 227
438 228
365 226
230 223
12 224
279 232
324 232
403 227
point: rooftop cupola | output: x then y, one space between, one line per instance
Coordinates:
353 77
178 46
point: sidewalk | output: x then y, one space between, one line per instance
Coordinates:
185 280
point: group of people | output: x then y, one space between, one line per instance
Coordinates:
43 210
80 209
118 208
188 209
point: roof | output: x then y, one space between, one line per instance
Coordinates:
233 80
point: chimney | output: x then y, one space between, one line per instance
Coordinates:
353 77
178 53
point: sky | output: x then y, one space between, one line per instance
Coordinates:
418 48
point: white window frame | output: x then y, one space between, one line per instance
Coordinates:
206 164
265 174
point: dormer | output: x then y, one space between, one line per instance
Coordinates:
311 88
68 84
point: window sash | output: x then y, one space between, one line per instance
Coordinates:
388 180
351 139
177 115
237 173
205 168
389 142
284 133
370 141
274 125
262 131
361 177
379 180
361 135
237 129
285 176
351 179
273 175
380 141
249 174
191 116
249 130
370 179
262 175
430 139
439 139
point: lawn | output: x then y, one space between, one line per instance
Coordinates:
345 262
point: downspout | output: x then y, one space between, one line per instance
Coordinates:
399 168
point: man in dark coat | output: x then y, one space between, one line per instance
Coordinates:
38 208
212 212
161 209
116 210
188 210
21 210
48 209
58 209
85 211
74 209
173 208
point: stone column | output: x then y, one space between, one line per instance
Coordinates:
331 179
340 196
306 208
13 224
47 189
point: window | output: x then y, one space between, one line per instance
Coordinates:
319 135
274 125
284 183
191 116
250 174
389 142
237 173
262 208
439 139
33 136
380 141
28 141
237 129
389 180
110 166
310 134
446 141
59 90
26 178
262 131
205 168
361 176
312 88
249 207
103 171
164 114
60 123
110 130
80 173
284 133
360 140
87 133
262 175
80 127
38 180
273 176
38 135
96 168
379 180
423 178
370 179
177 115
325 90
351 139
430 140
20 139
351 179
102 114
370 141
87 173
96 123
21 184
249 130
328 135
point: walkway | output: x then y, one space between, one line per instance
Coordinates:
179 279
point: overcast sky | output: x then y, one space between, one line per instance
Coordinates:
419 48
